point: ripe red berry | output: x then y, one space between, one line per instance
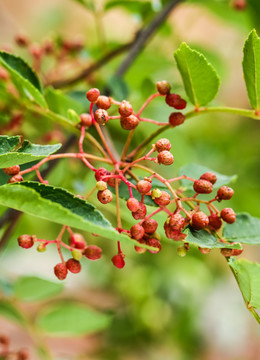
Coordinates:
163 144
103 102
105 196
176 222
202 186
12 170
61 271
77 241
215 222
199 220
140 213
129 122
93 252
137 231
92 95
16 178
176 118
164 199
165 158
155 244
73 266
236 252
133 204
209 176
150 226
118 261
175 101
143 186
163 87
125 108
239 4
85 120
26 241
228 215
101 116
100 173
225 193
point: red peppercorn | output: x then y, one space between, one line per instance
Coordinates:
93 94
199 220
176 119
202 186
163 144
93 252
118 261
209 176
61 271
228 215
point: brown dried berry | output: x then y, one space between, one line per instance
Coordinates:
16 178
93 94
202 186
101 116
163 144
61 271
150 226
93 252
105 196
215 222
199 220
209 176
129 122
103 102
133 204
165 158
143 186
225 193
137 231
118 261
176 222
85 120
228 215
163 87
125 108
73 266
164 199
176 119
26 241
140 213
12 170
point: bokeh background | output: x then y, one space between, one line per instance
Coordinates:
160 306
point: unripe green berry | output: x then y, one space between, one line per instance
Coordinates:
101 185
76 254
181 251
156 193
41 247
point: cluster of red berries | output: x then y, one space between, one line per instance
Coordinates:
14 172
6 353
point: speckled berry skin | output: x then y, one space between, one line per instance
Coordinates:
165 158
61 271
215 222
164 199
209 176
199 220
118 261
85 120
176 222
16 178
103 102
143 186
101 116
150 226
133 204
105 196
137 231
155 244
202 186
73 266
129 122
228 215
125 109
176 119
100 173
163 87
93 94
163 144
140 213
93 252
12 170
26 241
225 193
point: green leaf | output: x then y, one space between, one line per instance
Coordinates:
12 153
23 77
251 68
32 288
246 229
9 311
72 319
195 171
60 206
248 277
200 79
203 239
